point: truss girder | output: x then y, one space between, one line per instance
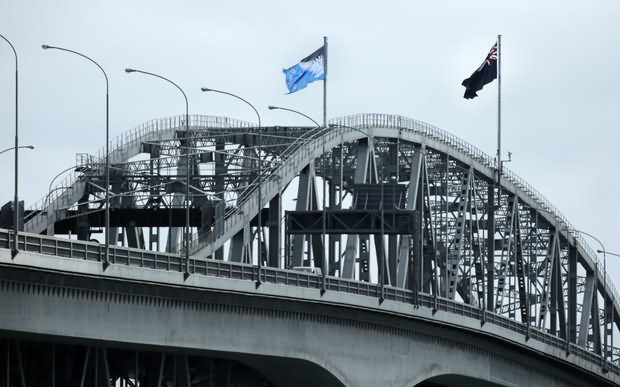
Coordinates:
520 227
589 297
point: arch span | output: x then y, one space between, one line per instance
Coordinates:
505 249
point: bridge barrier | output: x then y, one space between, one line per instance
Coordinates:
161 261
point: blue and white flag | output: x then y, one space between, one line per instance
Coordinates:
308 70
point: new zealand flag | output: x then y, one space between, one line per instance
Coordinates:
308 70
483 75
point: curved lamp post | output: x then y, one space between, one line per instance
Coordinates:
260 199
187 171
608 252
106 261
16 147
271 107
20 147
603 250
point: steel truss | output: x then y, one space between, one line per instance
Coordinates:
502 248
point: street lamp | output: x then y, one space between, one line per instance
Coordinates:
106 261
20 147
260 161
271 107
16 199
608 252
187 171
603 250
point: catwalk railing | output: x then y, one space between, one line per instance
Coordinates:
89 251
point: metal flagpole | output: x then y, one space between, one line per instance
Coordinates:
491 237
325 243
499 114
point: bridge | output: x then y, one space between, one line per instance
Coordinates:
426 271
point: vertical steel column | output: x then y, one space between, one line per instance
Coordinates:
181 370
20 364
596 322
136 377
572 294
53 365
162 364
220 170
274 231
589 295
392 258
360 176
559 294
554 298
332 238
415 181
306 178
490 287
316 244
8 363
83 227
85 367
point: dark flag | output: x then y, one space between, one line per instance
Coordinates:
483 75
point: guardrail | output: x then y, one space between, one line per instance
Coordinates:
161 261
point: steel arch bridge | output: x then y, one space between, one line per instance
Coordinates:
377 198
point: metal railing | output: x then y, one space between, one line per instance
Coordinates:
169 262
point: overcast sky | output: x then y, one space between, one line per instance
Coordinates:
560 79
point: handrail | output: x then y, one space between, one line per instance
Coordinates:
90 251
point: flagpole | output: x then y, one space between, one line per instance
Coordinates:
324 172
499 116
325 81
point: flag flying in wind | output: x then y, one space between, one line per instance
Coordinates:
308 70
483 75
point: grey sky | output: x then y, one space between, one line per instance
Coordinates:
561 66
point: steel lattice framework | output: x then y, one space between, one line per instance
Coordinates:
407 205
